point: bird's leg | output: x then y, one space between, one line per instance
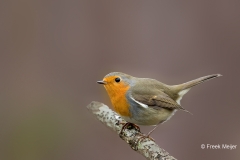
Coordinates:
151 131
147 136
128 126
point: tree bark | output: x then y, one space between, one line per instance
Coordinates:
145 146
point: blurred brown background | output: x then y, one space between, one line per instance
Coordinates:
53 52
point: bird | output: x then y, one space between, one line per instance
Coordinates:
146 101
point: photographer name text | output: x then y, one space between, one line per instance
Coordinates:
218 146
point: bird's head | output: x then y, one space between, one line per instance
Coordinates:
115 82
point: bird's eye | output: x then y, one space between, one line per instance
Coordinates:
117 79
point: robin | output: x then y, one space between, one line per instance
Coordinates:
145 101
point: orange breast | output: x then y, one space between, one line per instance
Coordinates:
119 100
120 105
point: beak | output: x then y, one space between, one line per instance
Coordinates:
101 82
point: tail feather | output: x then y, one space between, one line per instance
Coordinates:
195 82
182 89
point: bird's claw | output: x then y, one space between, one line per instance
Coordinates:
128 126
144 137
135 143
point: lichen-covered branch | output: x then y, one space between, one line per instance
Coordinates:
145 146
